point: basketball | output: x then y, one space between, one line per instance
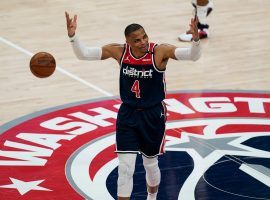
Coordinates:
42 64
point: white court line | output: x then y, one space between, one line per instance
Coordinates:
254 171
60 69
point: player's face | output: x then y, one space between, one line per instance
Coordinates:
138 40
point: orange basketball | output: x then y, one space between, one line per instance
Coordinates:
42 64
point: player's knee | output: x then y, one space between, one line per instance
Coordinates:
126 164
125 171
152 171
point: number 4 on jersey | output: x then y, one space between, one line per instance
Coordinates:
136 88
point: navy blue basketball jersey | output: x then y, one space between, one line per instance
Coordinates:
142 85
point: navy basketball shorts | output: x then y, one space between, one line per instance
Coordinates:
141 130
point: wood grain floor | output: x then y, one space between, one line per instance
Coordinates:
235 57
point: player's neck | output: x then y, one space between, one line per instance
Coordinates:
137 54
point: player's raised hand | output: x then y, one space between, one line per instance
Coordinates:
71 24
193 28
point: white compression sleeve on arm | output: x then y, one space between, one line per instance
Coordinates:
189 53
85 53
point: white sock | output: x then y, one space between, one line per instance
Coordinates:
152 196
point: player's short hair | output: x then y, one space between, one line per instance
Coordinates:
131 28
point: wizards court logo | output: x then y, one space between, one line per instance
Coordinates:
217 147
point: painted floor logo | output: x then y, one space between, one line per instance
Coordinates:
215 142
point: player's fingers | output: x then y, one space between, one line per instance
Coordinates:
67 16
190 30
196 20
193 21
191 26
68 19
75 18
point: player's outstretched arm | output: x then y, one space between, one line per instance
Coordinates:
189 53
90 53
112 51
81 51
84 52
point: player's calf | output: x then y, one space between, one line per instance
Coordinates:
153 176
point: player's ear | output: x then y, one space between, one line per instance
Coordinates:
127 41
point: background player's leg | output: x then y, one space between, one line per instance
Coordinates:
152 176
125 175
202 2
204 8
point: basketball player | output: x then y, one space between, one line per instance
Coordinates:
141 118
203 9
